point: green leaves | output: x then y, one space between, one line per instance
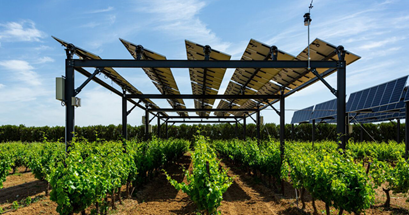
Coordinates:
207 182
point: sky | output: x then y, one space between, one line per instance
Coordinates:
30 60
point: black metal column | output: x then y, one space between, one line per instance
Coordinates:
313 132
236 130
69 108
244 128
158 134
146 123
341 93
258 125
398 130
282 126
406 130
124 117
166 128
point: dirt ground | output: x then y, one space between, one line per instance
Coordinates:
247 195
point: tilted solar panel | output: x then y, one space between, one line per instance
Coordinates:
377 96
109 72
205 81
303 115
325 110
162 78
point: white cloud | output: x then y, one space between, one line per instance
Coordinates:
101 10
108 20
21 71
22 31
44 60
380 43
179 18
2 86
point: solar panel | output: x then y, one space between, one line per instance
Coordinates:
214 76
303 115
406 98
325 110
109 72
319 51
377 96
162 78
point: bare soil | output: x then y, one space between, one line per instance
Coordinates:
247 195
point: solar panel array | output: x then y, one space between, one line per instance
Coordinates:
214 76
109 72
303 115
376 104
377 96
162 78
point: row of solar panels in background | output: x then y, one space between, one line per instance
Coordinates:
387 97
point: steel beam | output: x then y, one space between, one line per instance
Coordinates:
158 132
282 126
69 108
124 117
258 126
406 130
398 130
190 96
126 63
244 128
146 124
203 117
292 132
313 132
341 94
198 121
199 110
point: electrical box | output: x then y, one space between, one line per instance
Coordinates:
76 102
143 120
60 88
150 129
261 120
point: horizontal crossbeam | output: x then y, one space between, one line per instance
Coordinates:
206 121
199 110
190 96
202 117
202 64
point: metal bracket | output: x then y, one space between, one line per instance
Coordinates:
128 112
154 116
274 53
139 50
333 91
255 121
341 56
278 112
70 51
78 90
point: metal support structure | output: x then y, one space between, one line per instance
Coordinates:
158 132
406 130
124 117
236 130
166 129
282 125
398 130
258 125
333 91
200 110
78 90
341 94
69 94
190 96
197 121
206 51
146 123
244 128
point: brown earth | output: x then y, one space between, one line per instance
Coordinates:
247 195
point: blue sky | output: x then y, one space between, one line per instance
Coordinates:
376 30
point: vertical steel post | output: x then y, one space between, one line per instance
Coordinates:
244 127
341 93
158 134
146 123
124 116
398 130
166 128
258 125
406 130
313 132
282 125
236 131
69 94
